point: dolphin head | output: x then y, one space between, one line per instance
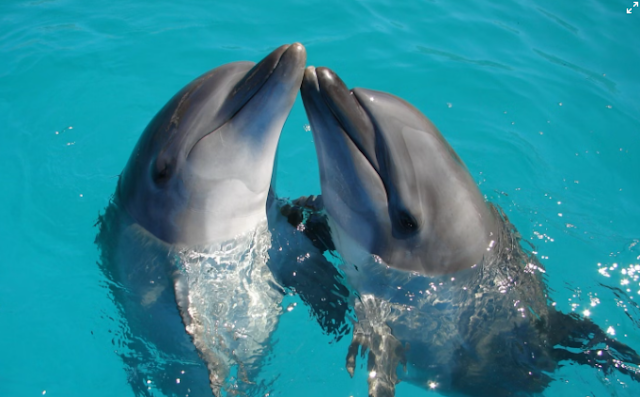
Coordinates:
391 184
201 170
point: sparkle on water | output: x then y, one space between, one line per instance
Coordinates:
546 119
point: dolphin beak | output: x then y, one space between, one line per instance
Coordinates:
287 56
325 90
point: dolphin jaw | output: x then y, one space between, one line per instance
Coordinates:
245 148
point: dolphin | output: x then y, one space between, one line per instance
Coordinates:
444 294
185 240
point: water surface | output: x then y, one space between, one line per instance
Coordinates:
540 99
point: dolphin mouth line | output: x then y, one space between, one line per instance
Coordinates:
248 76
345 128
253 87
325 96
359 146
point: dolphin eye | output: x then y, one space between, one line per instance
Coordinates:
407 222
162 174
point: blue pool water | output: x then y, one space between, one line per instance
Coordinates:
539 98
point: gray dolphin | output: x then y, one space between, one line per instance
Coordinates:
185 239
442 285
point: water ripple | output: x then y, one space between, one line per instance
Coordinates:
610 85
458 58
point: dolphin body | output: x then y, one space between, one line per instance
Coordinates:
442 287
185 242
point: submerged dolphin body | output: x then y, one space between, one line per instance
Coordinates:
442 285
185 240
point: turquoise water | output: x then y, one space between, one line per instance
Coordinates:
540 99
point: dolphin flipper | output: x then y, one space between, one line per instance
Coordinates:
581 340
372 333
307 211
313 277
321 287
217 371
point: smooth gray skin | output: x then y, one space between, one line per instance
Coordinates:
201 170
392 185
